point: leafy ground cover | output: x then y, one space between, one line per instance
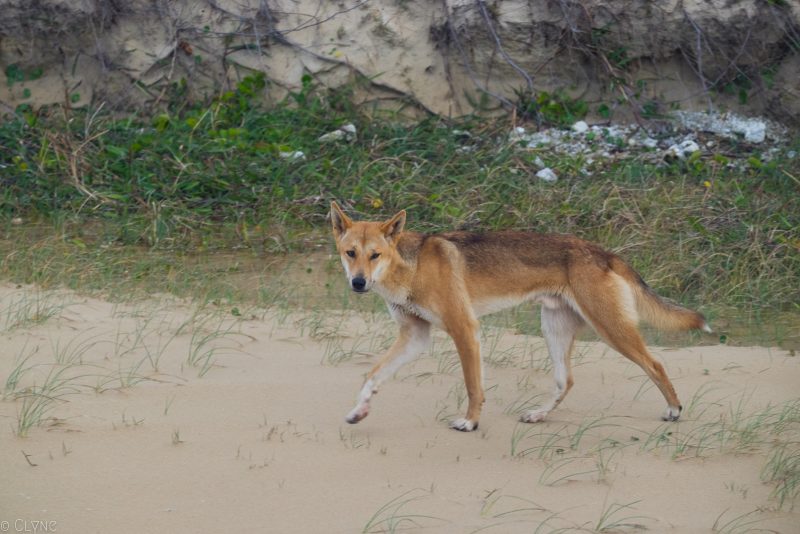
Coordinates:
93 201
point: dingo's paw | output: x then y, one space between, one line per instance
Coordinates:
357 414
533 416
672 413
464 425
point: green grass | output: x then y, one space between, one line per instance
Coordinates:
610 520
392 518
738 524
134 204
28 308
37 401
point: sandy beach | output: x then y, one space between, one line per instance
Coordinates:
162 416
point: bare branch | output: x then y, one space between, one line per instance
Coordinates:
499 45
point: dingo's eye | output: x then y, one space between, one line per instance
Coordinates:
375 255
351 253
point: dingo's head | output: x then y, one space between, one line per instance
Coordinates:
366 248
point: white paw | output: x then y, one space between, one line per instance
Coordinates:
464 425
672 413
533 416
357 414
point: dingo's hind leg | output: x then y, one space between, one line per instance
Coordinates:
560 324
610 310
628 342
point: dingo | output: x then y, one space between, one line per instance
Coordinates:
450 279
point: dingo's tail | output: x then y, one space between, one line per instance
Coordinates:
656 311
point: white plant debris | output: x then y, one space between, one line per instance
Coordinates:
343 133
680 135
547 174
730 125
293 155
580 127
684 149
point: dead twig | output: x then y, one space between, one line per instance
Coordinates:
28 459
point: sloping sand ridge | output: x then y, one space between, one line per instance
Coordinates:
161 416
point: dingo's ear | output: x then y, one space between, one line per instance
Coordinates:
392 228
341 222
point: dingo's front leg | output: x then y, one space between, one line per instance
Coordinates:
465 333
413 339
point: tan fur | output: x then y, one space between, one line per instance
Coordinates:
450 279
